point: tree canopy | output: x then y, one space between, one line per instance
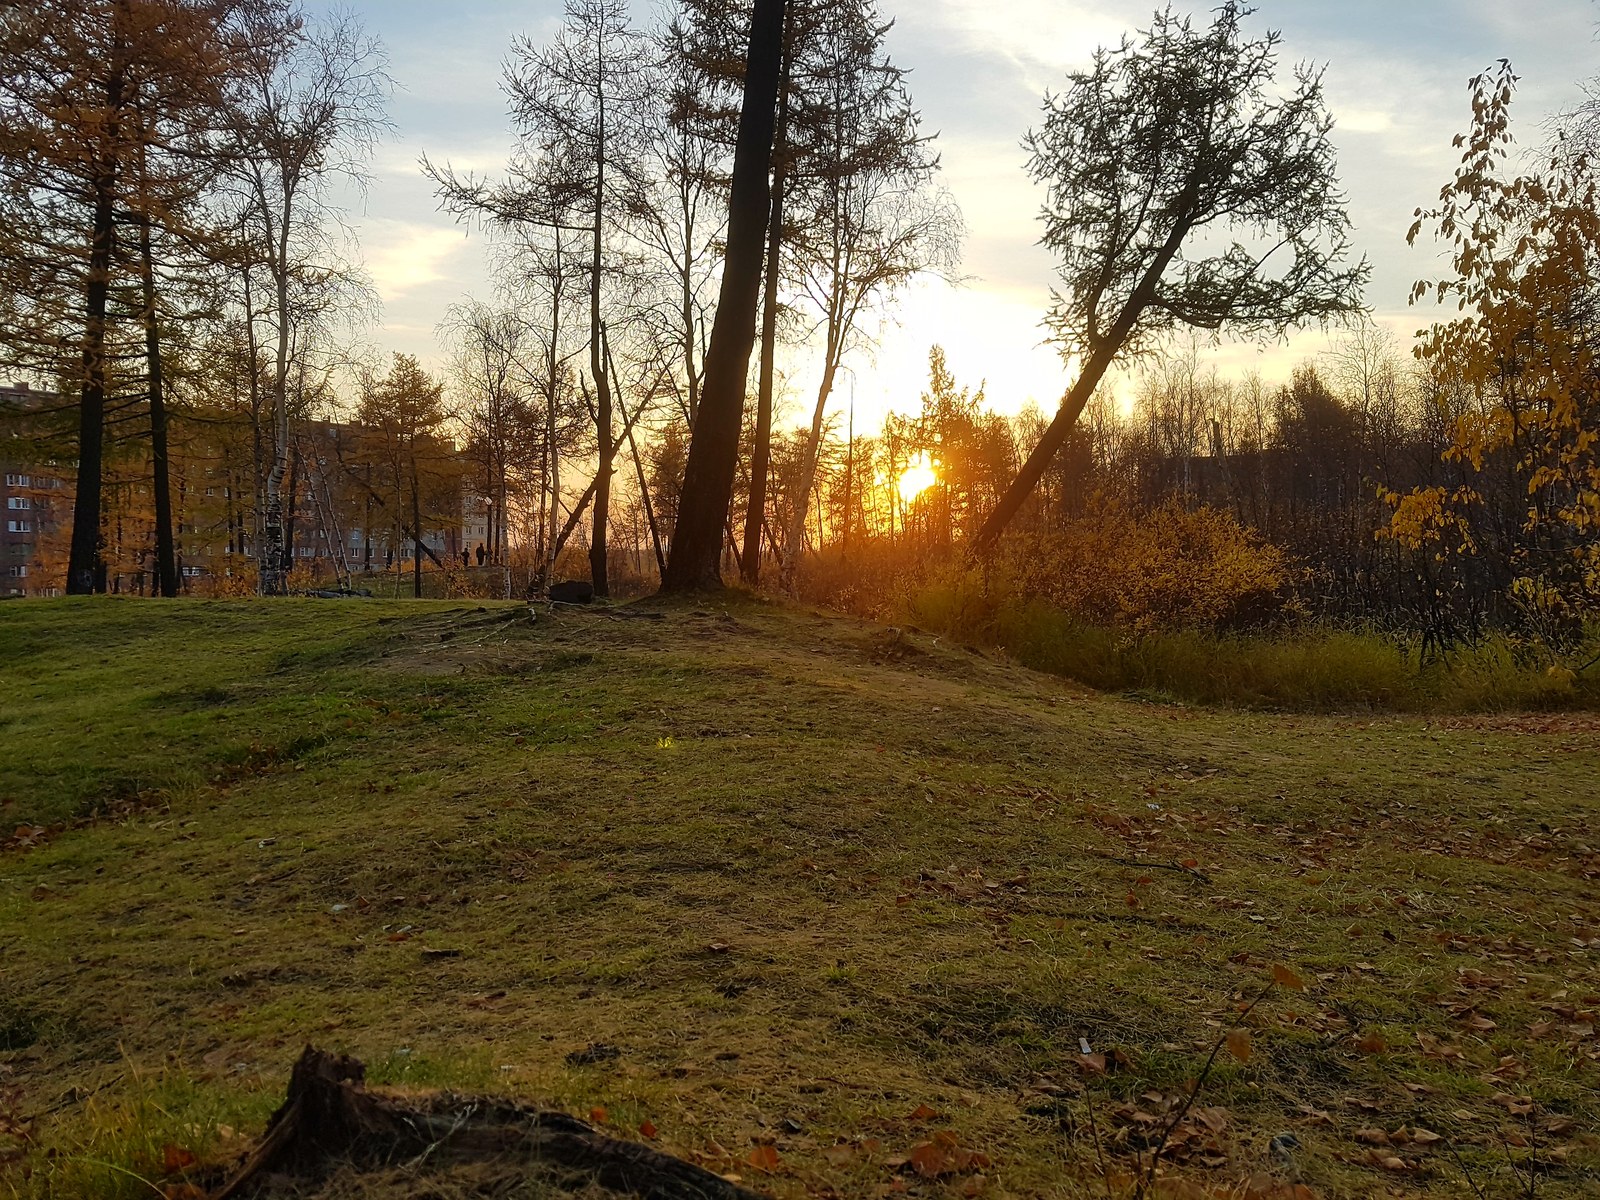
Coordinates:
1184 189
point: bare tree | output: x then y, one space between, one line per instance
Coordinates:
308 121
868 221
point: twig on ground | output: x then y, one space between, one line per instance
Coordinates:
1194 1094
1146 864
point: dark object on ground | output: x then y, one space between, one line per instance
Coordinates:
329 1120
572 591
594 1052
340 594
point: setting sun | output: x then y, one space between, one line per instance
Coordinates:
917 478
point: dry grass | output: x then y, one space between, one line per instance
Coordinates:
820 886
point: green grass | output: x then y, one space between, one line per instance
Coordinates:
806 876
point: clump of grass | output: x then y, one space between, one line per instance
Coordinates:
140 1137
1308 668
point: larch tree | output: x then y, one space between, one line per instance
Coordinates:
868 220
491 351
580 101
695 560
402 417
89 94
1185 187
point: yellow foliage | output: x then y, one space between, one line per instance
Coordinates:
1166 568
1525 252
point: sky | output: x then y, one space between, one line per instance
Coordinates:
1395 75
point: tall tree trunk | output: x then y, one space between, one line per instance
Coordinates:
638 467
166 551
1073 403
714 447
761 452
552 397
276 549
808 473
602 381
85 563
416 530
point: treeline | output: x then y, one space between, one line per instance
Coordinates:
172 256
170 247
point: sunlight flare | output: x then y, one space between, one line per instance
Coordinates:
917 478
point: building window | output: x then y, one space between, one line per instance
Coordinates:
19 526
18 481
193 572
21 502
18 572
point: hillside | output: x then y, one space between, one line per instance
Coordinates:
752 877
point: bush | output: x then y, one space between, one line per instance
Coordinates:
1161 569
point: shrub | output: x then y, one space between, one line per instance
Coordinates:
1162 569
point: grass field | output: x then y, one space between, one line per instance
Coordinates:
843 911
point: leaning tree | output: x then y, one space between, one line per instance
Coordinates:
1184 188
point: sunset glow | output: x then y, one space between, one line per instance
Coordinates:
917 478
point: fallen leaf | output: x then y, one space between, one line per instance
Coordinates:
929 1160
1284 977
764 1158
1239 1044
647 1129
1372 1043
598 1114
924 1113
1371 1137
1425 1137
176 1158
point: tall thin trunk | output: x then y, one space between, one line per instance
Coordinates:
86 572
166 551
686 299
602 383
761 452
714 448
638 466
552 395
808 470
416 529
276 550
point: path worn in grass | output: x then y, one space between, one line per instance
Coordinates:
787 892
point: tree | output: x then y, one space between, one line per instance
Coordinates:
91 94
504 431
1183 134
867 221
311 112
402 415
580 101
713 451
1525 254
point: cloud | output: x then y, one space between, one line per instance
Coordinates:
405 255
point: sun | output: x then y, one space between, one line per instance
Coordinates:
917 478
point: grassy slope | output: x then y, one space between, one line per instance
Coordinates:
805 879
